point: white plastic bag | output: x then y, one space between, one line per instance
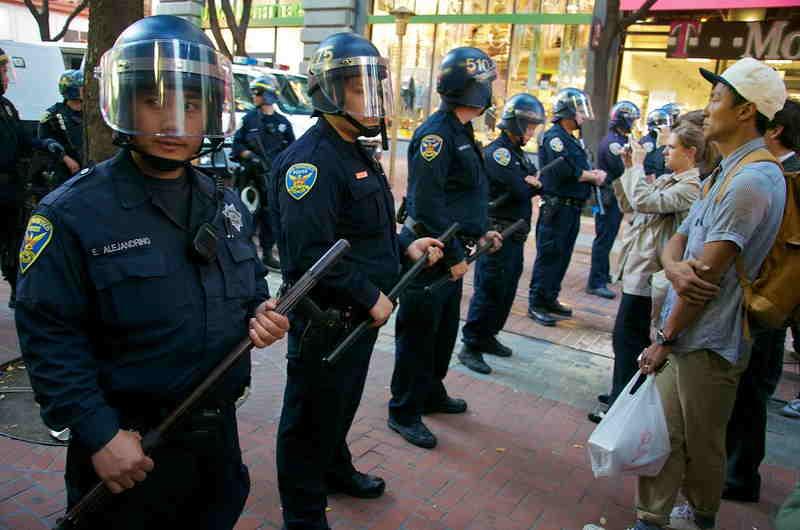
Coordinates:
632 439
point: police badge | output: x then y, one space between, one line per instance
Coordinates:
430 146
502 156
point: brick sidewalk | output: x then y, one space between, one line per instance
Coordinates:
515 461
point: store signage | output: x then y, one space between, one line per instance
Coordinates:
705 5
261 15
768 40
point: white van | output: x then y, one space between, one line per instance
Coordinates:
34 86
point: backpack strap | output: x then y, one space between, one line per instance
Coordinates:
759 155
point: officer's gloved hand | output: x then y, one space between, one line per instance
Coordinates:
54 147
121 463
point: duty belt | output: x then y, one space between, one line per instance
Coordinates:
420 230
563 201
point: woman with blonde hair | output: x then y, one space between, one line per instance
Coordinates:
656 210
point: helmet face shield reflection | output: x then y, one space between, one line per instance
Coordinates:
358 86
583 106
167 88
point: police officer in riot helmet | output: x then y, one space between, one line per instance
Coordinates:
565 189
16 144
622 118
674 111
63 122
659 123
513 182
447 183
138 276
327 186
263 135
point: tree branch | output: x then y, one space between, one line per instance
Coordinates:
213 20
42 21
636 15
80 7
230 16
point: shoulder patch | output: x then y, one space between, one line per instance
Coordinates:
45 117
300 178
556 144
648 146
38 234
502 156
430 146
615 148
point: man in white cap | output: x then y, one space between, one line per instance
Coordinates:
702 330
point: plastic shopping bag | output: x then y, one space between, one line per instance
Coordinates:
632 439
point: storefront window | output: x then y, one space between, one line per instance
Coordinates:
415 79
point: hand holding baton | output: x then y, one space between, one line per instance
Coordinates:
100 495
504 198
481 250
393 295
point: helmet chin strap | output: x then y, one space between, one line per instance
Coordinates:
363 130
158 162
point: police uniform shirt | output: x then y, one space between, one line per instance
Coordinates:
113 313
14 139
610 159
65 126
274 130
507 167
563 180
654 163
447 182
327 189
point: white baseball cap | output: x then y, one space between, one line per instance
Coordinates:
754 81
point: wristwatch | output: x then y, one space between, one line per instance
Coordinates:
662 339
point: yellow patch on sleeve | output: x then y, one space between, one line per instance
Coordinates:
38 234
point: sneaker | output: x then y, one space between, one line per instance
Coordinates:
683 517
61 436
792 409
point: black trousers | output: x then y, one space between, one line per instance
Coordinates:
425 335
747 428
319 405
11 233
631 335
199 480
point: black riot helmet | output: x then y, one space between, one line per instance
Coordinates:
520 111
166 64
570 103
674 110
465 78
657 119
348 77
623 115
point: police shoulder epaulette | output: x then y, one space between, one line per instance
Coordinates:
60 191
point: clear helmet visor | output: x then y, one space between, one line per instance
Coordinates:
582 105
358 86
167 88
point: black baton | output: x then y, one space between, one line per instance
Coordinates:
502 199
481 250
100 495
394 294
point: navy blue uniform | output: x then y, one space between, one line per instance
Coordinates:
273 133
557 227
446 183
654 163
117 323
607 226
328 189
16 143
497 274
65 126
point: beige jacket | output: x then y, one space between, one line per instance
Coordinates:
657 211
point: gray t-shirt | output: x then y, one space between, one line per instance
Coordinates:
748 215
